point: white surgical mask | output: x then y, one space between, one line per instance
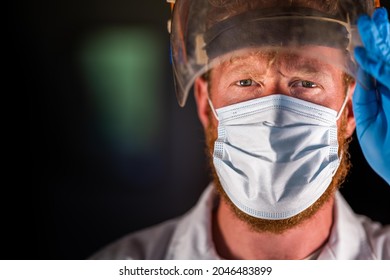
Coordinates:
276 155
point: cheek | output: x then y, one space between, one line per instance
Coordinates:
336 97
217 96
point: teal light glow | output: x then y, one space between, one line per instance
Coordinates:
123 69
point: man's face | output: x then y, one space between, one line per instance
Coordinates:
312 74
256 74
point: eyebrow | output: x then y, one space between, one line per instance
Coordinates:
305 65
303 68
249 64
256 63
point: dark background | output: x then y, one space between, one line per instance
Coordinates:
72 190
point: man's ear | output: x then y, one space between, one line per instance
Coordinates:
350 118
201 98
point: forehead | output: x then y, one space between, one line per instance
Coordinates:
310 59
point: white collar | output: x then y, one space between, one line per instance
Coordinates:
347 240
192 238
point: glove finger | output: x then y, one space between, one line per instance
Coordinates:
385 100
364 98
373 66
381 22
372 38
365 106
365 30
380 18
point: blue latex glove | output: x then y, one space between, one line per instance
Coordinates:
371 99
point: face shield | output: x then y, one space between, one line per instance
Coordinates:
292 35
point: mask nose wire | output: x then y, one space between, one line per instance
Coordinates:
337 117
212 108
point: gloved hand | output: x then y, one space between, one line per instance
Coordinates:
371 99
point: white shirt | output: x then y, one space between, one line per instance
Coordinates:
190 237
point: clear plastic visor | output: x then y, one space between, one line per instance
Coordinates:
301 53
317 74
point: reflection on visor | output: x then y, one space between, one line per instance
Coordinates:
256 28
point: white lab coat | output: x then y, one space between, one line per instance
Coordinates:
189 237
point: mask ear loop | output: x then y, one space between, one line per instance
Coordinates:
212 108
337 118
342 107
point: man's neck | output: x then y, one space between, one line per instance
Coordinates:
234 239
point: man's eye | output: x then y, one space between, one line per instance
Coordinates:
305 89
305 84
245 83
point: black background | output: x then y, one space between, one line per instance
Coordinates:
61 200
